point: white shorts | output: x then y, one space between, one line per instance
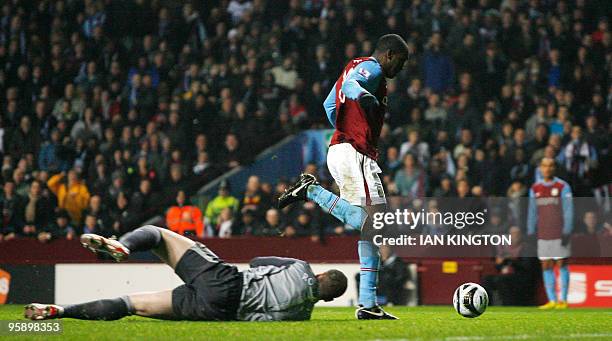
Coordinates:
356 175
552 249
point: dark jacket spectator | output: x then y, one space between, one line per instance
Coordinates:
393 276
60 229
38 209
438 67
273 224
12 211
25 140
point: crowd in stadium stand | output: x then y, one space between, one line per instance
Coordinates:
113 111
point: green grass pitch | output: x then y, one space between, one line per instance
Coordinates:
419 323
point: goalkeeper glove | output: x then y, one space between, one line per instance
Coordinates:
368 102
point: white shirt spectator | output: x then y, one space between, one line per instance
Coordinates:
237 8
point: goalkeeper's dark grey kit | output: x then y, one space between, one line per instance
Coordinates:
272 289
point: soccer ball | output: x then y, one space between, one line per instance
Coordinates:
470 300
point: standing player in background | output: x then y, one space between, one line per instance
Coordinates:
356 108
551 212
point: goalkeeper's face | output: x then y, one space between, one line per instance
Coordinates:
332 284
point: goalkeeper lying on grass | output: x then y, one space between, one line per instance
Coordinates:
272 289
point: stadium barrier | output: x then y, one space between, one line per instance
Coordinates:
28 273
84 282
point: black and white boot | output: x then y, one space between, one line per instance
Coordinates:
374 313
297 192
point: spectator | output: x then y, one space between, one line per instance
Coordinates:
222 201
233 153
225 222
392 161
520 170
183 218
101 181
202 165
97 209
437 66
38 211
72 195
285 76
142 201
117 186
238 8
12 211
175 183
465 143
70 106
87 127
591 225
435 112
19 178
60 229
513 284
416 147
578 158
247 223
303 226
435 227
25 140
254 198
539 118
91 225
121 219
273 225
48 159
393 277
410 181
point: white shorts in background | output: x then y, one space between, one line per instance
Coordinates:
356 175
552 249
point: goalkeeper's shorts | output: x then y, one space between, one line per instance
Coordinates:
212 287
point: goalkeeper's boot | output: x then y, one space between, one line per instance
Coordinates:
374 313
110 246
297 192
561 305
37 311
549 305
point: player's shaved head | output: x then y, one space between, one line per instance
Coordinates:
393 43
332 284
391 52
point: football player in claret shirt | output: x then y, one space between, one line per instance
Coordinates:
356 107
551 216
